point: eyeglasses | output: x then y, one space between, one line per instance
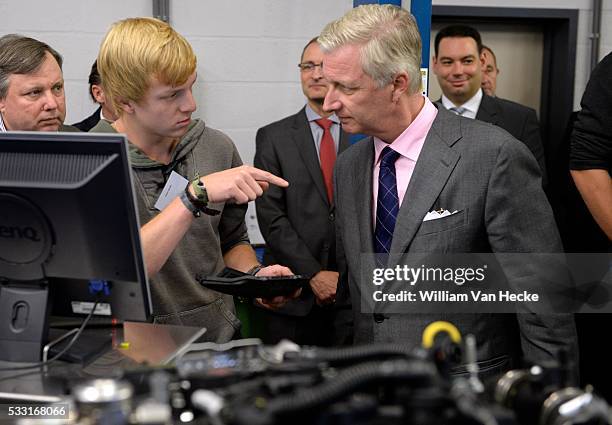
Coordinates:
309 66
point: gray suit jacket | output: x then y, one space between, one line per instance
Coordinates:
298 222
493 181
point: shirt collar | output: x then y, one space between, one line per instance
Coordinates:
410 142
471 105
312 115
2 127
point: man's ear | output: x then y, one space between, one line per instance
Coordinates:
2 105
401 85
482 58
126 106
98 93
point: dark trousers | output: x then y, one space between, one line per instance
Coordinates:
313 329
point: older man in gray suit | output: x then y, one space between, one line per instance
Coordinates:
418 160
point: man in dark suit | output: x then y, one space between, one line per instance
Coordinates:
457 62
298 222
422 161
105 110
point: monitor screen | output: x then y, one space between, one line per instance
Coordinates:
69 234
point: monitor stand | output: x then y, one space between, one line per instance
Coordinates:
23 320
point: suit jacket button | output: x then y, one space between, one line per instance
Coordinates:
332 216
379 318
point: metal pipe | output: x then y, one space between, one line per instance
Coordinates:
161 10
595 33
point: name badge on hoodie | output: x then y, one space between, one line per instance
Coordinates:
173 188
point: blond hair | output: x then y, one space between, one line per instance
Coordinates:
389 41
136 50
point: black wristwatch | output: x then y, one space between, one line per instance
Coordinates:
197 204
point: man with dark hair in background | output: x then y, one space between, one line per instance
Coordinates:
31 86
105 111
298 222
458 62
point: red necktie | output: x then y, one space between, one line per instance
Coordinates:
327 155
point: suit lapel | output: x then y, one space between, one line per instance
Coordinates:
488 111
362 187
344 141
302 137
433 168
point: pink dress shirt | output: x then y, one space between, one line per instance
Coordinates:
408 145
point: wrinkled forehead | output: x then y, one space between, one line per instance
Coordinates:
48 67
343 63
47 74
489 59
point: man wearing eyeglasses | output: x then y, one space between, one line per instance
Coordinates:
298 222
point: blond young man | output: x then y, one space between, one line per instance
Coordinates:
149 71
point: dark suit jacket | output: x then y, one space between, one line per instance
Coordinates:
297 222
89 122
518 120
68 128
492 180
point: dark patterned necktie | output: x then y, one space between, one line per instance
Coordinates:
387 205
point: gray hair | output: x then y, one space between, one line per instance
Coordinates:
389 39
21 55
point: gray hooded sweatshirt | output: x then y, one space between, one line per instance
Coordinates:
177 297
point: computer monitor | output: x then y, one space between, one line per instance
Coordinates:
69 235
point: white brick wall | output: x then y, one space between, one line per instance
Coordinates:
247 51
75 28
247 74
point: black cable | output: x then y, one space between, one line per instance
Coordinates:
358 353
414 372
61 353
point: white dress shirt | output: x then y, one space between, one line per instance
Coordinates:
471 106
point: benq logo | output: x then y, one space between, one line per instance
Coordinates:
15 232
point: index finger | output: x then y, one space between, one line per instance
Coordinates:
269 177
